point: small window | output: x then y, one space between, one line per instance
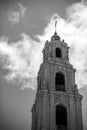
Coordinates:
58 52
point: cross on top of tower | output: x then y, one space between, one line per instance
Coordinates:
55 25
55 36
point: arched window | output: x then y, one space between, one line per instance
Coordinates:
58 52
61 117
59 82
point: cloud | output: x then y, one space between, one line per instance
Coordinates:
84 1
78 39
15 16
22 9
24 57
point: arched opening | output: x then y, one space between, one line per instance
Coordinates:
61 117
58 52
59 82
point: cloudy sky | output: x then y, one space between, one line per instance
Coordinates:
25 25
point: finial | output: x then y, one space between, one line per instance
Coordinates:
55 36
55 25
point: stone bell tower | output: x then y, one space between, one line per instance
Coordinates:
58 103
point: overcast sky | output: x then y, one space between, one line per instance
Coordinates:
25 25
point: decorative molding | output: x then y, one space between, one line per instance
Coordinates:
61 98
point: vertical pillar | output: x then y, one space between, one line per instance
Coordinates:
52 112
45 111
73 113
68 119
79 113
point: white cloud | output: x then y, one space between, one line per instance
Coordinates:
22 9
23 58
15 16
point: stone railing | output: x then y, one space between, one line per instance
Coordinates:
60 87
60 127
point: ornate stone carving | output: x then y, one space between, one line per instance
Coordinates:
61 98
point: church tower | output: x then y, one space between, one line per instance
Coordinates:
58 103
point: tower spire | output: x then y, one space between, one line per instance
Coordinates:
55 36
55 25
